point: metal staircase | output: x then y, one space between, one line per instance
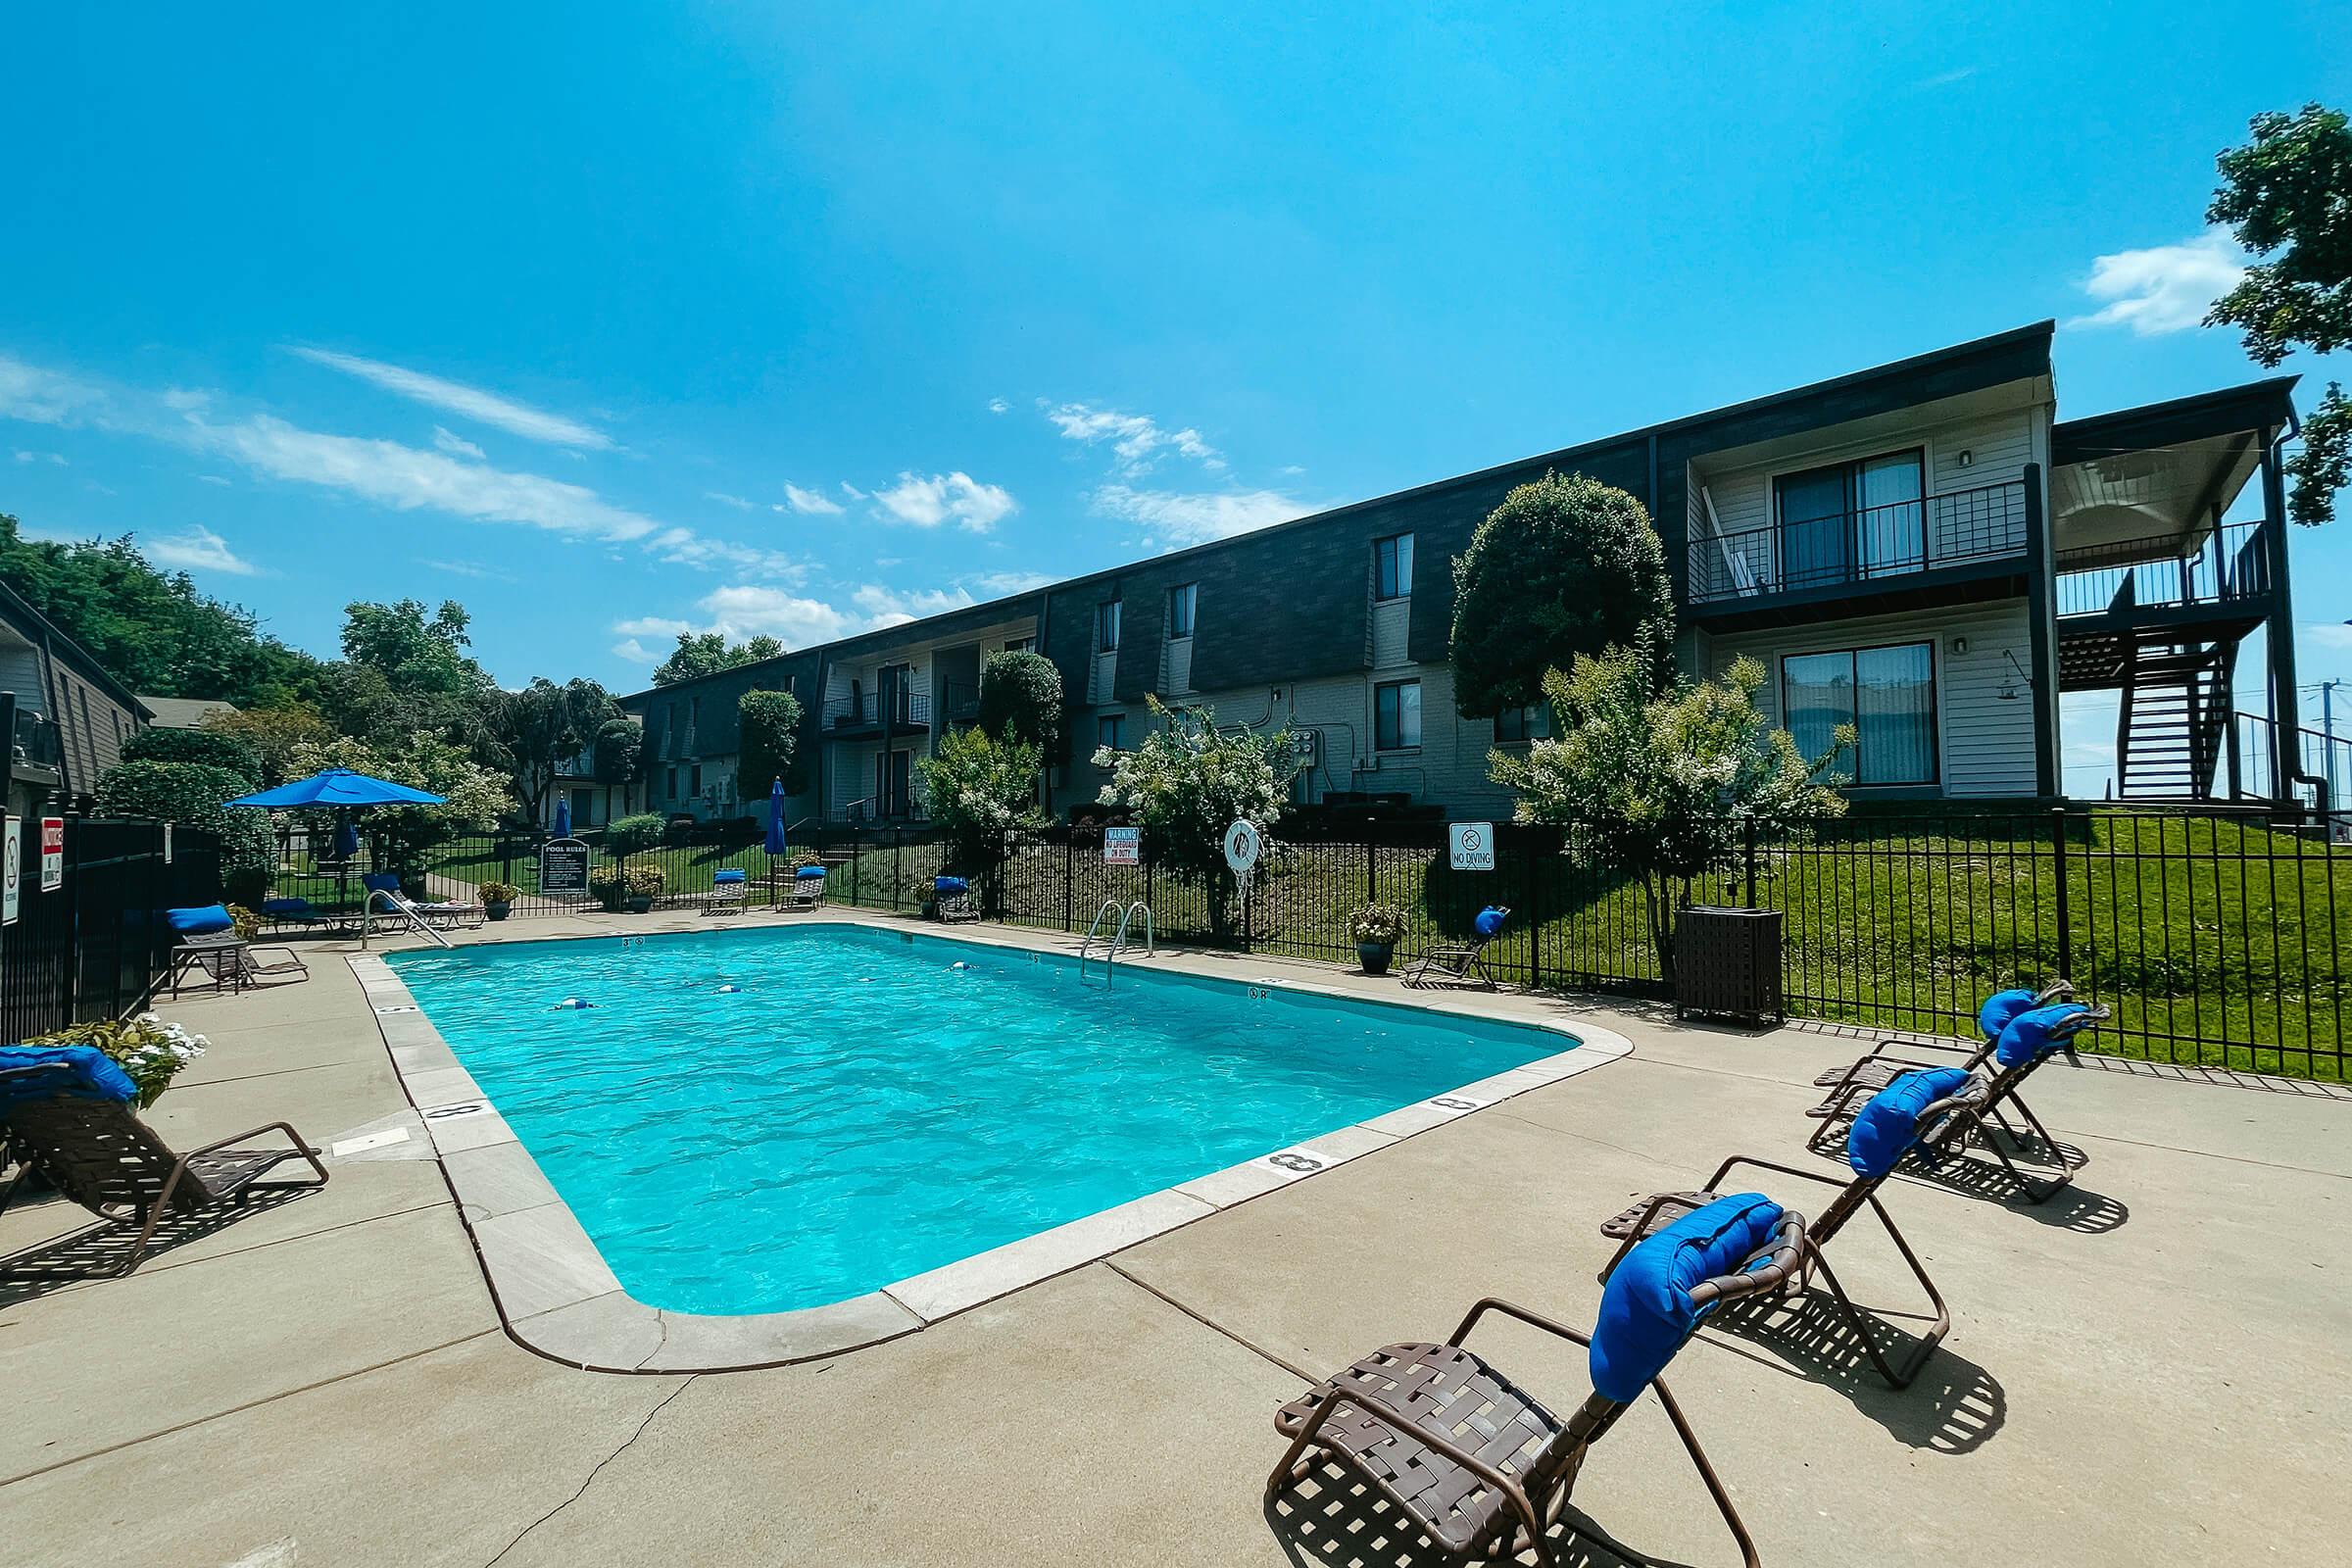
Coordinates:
2174 719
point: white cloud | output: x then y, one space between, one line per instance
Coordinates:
631 650
999 584
928 503
2335 635
1195 518
199 549
726 499
749 610
811 501
212 478
457 446
2164 288
43 397
1136 439
469 568
54 458
998 406
851 491
888 607
473 403
1946 78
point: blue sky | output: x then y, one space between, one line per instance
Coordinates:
610 321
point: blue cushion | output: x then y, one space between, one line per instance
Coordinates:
200 921
808 873
2035 1034
1489 920
1646 1312
1999 1008
946 886
730 875
286 907
1884 1130
91 1075
382 882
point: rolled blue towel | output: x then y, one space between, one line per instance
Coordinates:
203 920
948 886
89 1074
728 875
809 874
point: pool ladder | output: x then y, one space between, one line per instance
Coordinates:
1119 939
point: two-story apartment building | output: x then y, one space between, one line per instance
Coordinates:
1923 549
65 718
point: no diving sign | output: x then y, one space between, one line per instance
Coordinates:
1470 845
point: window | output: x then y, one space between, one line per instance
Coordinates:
670 781
1852 520
1395 715
1111 730
1106 626
1530 723
1180 610
1020 645
694 779
1889 696
1392 567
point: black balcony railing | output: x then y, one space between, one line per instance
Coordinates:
1863 545
960 701
906 709
2230 562
38 742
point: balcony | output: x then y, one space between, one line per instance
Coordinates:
38 750
1865 546
853 717
2168 571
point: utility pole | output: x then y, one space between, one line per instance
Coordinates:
2328 752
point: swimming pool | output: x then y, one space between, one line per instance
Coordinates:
763 1119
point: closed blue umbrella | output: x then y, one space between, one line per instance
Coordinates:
776 818
562 817
339 786
347 839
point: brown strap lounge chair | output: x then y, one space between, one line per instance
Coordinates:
2025 1042
1889 1059
233 965
1919 1116
1461 963
1472 1458
70 1118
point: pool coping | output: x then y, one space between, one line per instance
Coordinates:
557 1296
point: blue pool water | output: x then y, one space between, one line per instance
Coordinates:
860 1109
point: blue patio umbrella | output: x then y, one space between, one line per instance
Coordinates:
776 818
339 786
562 818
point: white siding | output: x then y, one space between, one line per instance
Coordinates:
1983 742
1392 631
1101 677
1176 665
21 672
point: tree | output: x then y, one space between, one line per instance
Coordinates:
981 790
541 728
1658 785
1564 567
1186 783
2283 196
404 672
476 798
619 755
709 653
209 747
273 734
194 794
770 724
150 630
1020 696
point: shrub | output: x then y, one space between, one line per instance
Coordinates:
1020 694
247 924
644 881
633 835
191 794
770 723
1383 923
1186 782
604 885
204 747
499 891
981 793
149 1050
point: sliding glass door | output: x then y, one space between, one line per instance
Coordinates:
1850 520
1887 694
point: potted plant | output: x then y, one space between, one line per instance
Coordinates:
642 885
151 1050
1374 929
498 899
605 886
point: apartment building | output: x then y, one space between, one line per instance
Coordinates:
1924 550
65 716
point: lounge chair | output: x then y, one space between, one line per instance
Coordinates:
728 885
446 914
952 900
2028 1040
300 914
231 964
1922 1112
68 1116
1461 963
1889 1059
1471 1458
807 890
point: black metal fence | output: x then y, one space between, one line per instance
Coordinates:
2214 936
95 946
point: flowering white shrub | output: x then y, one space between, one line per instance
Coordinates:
1186 782
147 1047
981 789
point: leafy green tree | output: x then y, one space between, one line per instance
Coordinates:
194 794
767 750
406 671
1020 694
1658 785
212 748
2284 195
475 797
619 754
981 791
632 835
1186 783
707 653
1564 567
272 734
151 629
537 730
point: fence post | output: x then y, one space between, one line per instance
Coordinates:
897 867
1747 858
2066 966
1069 874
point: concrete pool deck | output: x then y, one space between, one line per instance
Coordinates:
2158 1364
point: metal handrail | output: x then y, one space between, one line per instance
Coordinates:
1109 906
1118 944
1860 544
400 906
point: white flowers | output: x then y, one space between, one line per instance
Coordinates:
176 1043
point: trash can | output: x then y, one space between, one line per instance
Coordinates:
1727 964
